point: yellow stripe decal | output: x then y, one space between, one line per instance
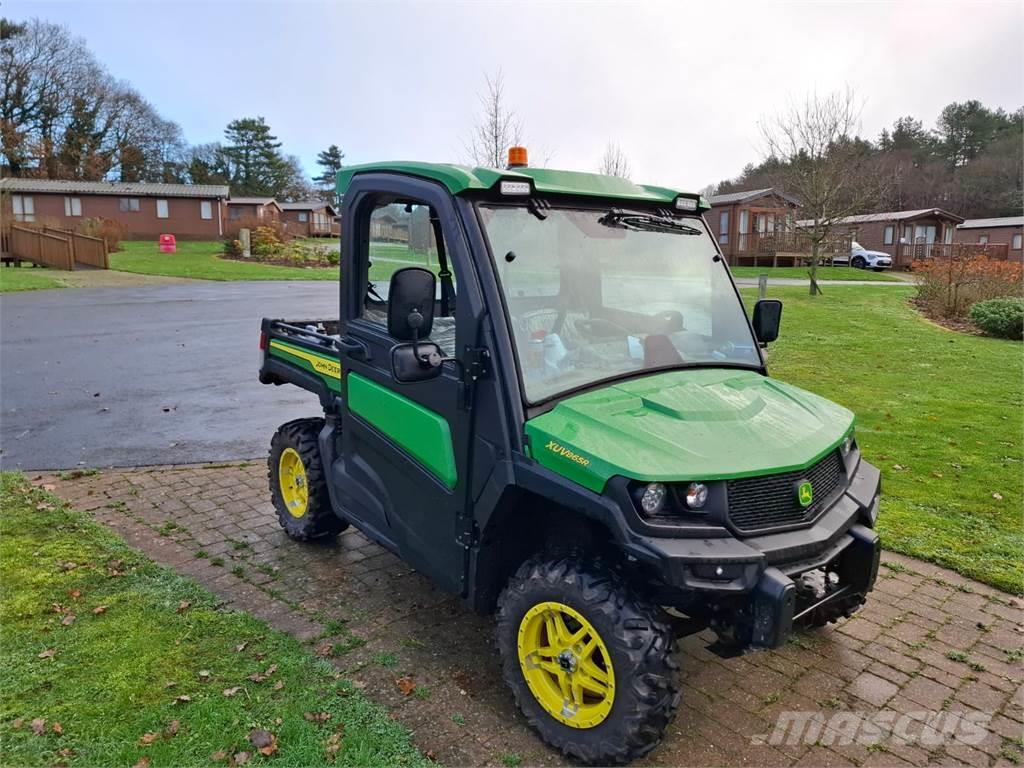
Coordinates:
320 364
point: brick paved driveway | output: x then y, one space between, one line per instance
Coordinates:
928 640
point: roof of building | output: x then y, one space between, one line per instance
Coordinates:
751 194
460 179
306 205
252 201
1002 221
865 218
135 189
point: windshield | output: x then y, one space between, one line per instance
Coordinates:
592 295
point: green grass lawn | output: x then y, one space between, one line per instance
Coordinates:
939 412
26 278
113 660
824 273
201 260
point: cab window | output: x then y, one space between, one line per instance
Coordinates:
405 234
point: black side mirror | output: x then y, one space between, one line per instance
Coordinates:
767 318
411 304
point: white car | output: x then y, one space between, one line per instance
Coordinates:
861 258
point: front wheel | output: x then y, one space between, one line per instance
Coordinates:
589 663
298 486
858 262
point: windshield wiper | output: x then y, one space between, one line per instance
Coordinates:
647 222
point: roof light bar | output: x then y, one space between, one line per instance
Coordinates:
686 204
515 187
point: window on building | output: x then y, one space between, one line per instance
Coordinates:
1016 242
890 234
723 227
744 221
235 212
303 217
161 209
72 206
205 209
129 205
949 235
24 208
982 239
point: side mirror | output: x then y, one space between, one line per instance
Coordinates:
411 304
767 317
416 362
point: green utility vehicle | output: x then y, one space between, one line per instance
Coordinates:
543 392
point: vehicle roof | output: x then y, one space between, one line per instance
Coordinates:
461 179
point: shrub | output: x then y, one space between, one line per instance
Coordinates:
949 287
252 223
110 230
264 241
1000 317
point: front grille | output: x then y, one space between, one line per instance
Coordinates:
766 503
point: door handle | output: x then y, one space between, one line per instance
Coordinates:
353 348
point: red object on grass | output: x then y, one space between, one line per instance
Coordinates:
168 244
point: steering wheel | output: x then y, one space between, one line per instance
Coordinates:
599 328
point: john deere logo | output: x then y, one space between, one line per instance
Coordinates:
805 493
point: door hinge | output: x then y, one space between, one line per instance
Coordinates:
478 363
468 532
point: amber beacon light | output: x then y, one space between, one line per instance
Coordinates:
517 157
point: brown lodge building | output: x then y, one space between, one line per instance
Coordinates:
145 210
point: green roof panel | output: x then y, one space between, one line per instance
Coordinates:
460 179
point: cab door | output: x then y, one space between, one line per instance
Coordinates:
401 466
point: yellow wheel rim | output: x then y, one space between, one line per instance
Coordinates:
291 476
566 664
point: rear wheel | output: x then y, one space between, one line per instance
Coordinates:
298 486
588 662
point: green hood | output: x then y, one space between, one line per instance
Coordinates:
699 424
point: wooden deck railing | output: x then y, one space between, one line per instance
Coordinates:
768 248
43 248
908 253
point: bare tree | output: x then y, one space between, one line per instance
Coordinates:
819 160
497 129
615 162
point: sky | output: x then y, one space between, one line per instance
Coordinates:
679 86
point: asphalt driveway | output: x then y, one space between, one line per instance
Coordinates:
145 375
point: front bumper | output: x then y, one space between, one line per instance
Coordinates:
756 576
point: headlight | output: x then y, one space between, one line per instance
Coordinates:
653 498
696 495
847 445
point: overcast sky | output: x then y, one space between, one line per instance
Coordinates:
680 86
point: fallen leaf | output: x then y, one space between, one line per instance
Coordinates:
18 722
204 675
997 496
241 758
183 699
66 752
49 487
431 756
143 762
264 741
99 609
360 684
317 717
42 506
173 727
49 653
279 685
75 593
324 650
170 684
58 608
68 620
38 726
333 745
218 756
148 738
405 684
259 656
68 566
57 728
241 647
183 606
229 692
897 467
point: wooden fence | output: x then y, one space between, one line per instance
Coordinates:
908 253
58 248
43 248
